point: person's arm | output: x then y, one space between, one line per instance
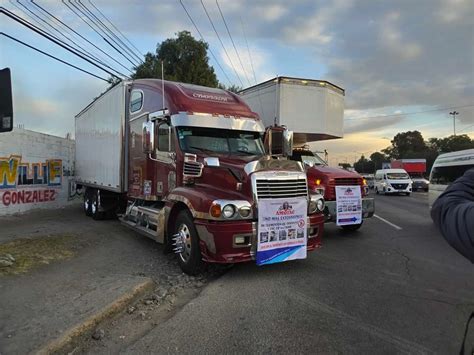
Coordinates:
453 214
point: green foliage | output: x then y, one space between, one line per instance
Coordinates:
451 143
233 88
184 59
406 145
378 158
364 166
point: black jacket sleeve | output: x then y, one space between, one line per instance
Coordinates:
453 214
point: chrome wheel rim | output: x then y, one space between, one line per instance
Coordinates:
86 204
185 236
94 207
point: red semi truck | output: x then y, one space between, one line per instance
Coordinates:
314 111
187 166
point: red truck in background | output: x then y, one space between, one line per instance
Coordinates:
416 168
188 167
314 111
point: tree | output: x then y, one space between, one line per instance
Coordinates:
377 159
233 88
184 59
407 145
364 166
451 143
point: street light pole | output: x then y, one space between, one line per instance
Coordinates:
454 113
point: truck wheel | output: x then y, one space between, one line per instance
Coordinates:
376 191
95 205
352 227
190 260
87 203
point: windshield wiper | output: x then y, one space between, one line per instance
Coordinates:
246 152
201 149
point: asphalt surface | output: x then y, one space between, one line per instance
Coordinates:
395 286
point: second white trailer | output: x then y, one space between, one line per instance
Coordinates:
312 109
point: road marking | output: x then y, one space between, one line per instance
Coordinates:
389 223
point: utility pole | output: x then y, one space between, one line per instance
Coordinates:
454 113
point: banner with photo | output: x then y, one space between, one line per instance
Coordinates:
349 205
282 230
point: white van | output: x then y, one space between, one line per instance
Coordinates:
390 181
447 168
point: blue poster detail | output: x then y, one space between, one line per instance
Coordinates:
277 255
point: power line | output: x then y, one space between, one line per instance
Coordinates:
222 44
52 56
121 44
81 36
463 129
51 38
412 113
251 64
202 38
75 46
233 44
80 7
87 23
100 12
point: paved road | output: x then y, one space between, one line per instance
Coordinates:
388 288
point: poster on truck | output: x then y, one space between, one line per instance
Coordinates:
282 230
349 205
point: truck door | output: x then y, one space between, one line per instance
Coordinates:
165 158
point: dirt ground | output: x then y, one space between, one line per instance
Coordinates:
62 255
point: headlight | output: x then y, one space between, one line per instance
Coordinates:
316 204
245 211
228 211
320 205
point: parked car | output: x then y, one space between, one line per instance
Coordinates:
393 181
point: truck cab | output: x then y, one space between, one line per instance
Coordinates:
324 179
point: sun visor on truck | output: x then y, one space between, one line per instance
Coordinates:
312 109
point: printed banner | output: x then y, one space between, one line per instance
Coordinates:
282 230
349 205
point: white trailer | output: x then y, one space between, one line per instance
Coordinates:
312 109
101 156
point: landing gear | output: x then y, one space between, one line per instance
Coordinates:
186 244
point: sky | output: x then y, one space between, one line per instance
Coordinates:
404 64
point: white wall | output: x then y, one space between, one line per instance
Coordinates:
35 170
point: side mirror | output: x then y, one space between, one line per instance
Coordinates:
6 104
287 143
279 141
148 137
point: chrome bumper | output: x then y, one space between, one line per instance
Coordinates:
330 211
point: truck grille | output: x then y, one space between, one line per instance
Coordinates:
267 188
347 182
330 193
192 169
399 186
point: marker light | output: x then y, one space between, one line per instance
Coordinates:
215 210
317 182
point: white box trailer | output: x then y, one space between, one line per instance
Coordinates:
100 128
312 109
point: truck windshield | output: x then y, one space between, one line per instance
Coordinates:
311 160
221 141
397 176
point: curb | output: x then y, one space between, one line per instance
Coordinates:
77 331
